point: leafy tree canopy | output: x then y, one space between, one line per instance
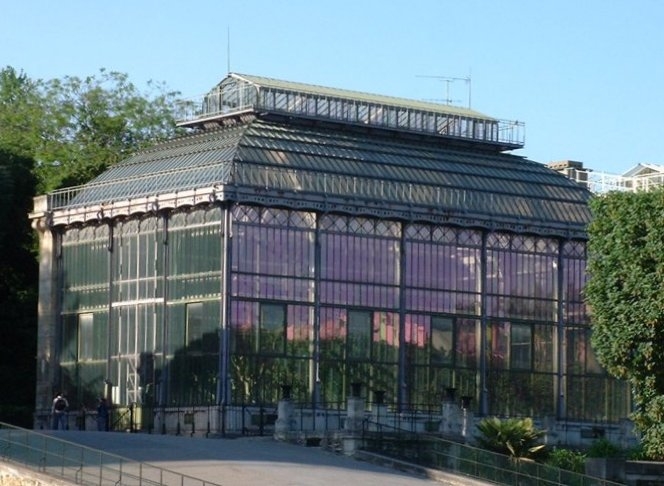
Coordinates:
76 128
18 289
625 292
21 113
56 133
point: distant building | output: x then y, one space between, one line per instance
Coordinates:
315 238
642 177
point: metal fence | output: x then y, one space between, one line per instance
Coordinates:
83 465
437 453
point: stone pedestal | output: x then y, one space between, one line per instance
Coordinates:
450 425
466 418
379 413
354 414
467 424
285 422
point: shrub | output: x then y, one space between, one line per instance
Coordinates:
567 459
604 448
517 438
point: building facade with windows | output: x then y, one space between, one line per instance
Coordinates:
314 237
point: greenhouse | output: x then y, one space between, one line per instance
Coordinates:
307 238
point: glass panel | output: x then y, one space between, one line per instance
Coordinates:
85 336
442 340
194 313
521 393
418 331
498 342
272 338
543 357
274 260
385 337
299 331
69 351
466 350
332 332
135 252
521 346
85 268
359 335
194 254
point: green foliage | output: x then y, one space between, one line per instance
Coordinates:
604 448
21 113
53 134
567 459
18 290
95 122
626 295
517 438
636 454
76 128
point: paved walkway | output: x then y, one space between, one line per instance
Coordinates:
249 460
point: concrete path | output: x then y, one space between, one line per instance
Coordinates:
248 460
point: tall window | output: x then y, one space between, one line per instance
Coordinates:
272 330
92 342
359 335
442 343
521 346
85 336
194 325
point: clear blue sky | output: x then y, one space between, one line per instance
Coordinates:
585 76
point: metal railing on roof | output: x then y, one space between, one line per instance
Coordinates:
83 465
237 98
603 182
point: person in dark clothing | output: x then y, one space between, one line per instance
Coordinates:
102 415
59 412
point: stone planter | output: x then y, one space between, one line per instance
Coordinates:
611 468
644 472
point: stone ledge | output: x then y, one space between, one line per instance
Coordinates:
15 475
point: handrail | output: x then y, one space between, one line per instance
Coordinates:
443 454
83 465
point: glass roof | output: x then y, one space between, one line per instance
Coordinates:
411 178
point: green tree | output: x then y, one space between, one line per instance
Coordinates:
95 122
76 128
21 113
625 292
18 290
53 134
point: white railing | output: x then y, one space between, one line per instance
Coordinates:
231 101
603 182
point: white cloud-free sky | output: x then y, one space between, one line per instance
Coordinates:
584 75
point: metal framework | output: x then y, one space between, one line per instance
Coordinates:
241 94
322 236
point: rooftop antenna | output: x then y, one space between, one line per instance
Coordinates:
448 80
228 49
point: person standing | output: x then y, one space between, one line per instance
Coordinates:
102 415
59 412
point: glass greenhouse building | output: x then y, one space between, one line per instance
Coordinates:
314 237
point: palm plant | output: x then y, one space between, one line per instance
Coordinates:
515 437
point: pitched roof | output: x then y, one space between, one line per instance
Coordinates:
315 167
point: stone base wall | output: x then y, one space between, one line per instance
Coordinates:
13 475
